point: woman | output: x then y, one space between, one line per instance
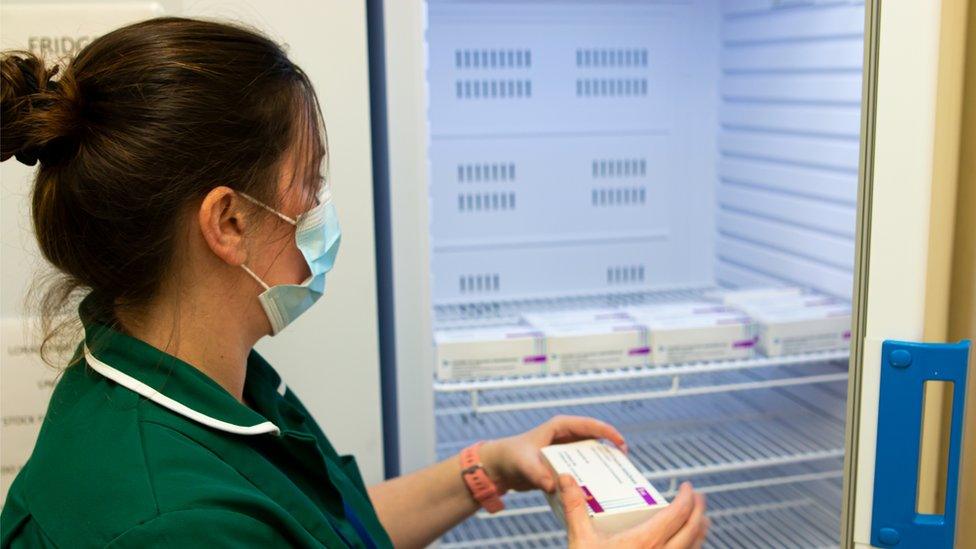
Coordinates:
179 190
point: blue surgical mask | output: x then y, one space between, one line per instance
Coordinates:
317 235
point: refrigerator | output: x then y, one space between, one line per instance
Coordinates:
564 156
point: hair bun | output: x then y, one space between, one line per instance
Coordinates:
37 116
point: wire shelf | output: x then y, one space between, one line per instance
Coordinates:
626 374
710 437
702 381
750 455
767 444
804 513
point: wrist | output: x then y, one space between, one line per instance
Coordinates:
492 458
479 482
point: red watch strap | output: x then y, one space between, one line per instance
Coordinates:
482 488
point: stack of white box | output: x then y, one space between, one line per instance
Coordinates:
591 339
727 325
696 331
791 321
495 351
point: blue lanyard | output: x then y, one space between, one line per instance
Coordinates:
358 526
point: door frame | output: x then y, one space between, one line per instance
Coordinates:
898 130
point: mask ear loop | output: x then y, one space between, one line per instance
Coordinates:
257 202
255 277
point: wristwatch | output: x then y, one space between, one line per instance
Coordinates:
482 488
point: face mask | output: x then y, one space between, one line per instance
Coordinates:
317 235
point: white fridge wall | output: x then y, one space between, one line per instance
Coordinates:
736 166
566 147
789 112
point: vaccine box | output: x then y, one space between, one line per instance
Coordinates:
802 329
497 351
790 302
706 336
677 308
596 346
618 496
747 295
577 317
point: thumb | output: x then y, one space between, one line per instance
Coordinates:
578 526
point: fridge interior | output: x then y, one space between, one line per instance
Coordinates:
605 154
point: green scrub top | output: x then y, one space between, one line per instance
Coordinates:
141 449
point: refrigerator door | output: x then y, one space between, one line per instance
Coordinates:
885 397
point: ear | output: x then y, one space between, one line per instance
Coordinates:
222 223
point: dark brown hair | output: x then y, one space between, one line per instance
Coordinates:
144 120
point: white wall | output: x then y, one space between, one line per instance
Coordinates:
330 356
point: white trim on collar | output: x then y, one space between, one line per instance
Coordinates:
141 388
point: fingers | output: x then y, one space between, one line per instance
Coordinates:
668 521
704 532
692 533
572 428
574 508
541 475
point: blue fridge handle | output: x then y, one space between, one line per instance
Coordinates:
905 367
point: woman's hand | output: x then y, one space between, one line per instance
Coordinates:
681 524
515 462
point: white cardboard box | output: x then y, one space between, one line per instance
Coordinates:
596 346
799 329
575 317
746 295
699 337
676 308
618 496
790 302
496 351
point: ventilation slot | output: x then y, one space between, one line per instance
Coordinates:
628 57
486 202
611 87
490 172
494 89
479 283
492 59
625 274
619 167
618 196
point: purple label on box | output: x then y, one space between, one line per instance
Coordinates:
640 351
647 496
591 501
534 359
745 343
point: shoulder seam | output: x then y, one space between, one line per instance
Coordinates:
207 449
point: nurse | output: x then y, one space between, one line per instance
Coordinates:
179 196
